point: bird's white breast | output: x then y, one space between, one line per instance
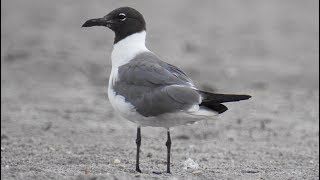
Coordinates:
122 53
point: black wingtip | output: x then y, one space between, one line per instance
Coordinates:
222 98
245 97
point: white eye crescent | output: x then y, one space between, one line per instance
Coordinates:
122 16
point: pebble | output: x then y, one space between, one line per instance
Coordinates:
190 164
69 152
116 161
51 148
197 172
149 155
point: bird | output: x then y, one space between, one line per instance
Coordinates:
148 91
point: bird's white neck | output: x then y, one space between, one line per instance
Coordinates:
126 49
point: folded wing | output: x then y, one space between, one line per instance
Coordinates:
154 87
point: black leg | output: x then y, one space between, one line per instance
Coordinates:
168 144
138 142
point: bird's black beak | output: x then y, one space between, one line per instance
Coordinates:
97 22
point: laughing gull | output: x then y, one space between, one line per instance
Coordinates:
148 91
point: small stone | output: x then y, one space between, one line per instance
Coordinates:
122 166
116 161
7 166
190 164
2 148
149 155
51 148
137 175
197 172
69 152
204 159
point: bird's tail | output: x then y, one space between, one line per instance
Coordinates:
213 101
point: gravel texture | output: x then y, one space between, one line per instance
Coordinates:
57 122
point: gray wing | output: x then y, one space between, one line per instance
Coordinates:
178 73
154 87
148 70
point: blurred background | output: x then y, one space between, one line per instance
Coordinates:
57 122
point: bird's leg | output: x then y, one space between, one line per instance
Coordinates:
168 144
138 142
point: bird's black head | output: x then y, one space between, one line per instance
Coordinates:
123 22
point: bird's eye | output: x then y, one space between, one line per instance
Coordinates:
122 16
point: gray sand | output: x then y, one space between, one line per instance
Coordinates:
57 122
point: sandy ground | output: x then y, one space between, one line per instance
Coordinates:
57 122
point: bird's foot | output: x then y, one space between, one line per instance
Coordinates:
138 170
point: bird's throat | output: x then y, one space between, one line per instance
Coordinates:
126 49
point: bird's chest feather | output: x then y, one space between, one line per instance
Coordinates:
122 53
117 101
